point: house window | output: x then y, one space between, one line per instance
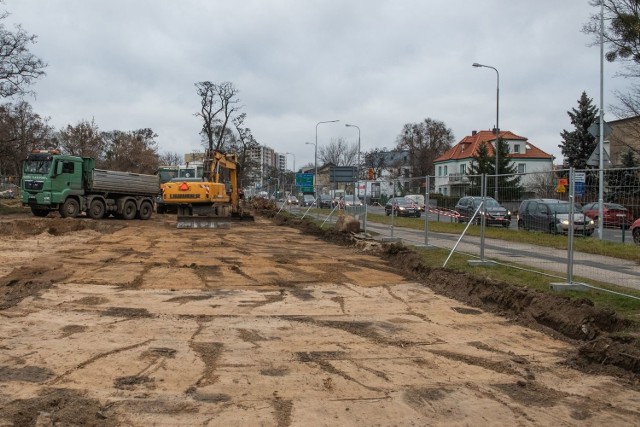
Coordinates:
445 171
522 168
516 148
445 189
439 170
463 169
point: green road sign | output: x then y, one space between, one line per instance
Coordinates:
304 181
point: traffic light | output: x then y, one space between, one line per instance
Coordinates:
371 174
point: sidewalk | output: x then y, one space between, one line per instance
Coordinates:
585 266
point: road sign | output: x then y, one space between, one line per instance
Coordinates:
594 158
562 185
594 129
579 187
305 182
343 174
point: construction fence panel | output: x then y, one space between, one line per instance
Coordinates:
514 205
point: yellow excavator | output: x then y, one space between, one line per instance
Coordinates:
211 201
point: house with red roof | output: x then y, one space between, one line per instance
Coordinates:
453 166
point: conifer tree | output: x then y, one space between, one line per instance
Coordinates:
577 145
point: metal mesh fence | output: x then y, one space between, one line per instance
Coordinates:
506 228
9 188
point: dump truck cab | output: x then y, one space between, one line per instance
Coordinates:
49 178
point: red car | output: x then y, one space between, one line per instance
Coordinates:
635 231
613 214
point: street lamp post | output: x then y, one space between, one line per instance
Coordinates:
315 177
294 172
358 165
475 64
358 179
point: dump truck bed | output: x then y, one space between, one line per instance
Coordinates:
125 182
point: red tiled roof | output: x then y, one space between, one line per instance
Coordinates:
468 147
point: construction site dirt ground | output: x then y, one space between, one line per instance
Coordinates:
267 324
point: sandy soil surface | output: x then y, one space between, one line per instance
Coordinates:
114 322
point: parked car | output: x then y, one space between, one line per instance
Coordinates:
613 214
495 212
292 200
635 231
326 201
552 216
402 206
307 200
418 199
352 200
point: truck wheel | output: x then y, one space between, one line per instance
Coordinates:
129 210
40 212
70 208
146 209
96 209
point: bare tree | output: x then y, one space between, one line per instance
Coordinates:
134 151
19 68
376 160
170 158
339 153
244 143
541 185
218 103
425 141
21 130
83 140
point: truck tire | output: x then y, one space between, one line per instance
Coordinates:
40 212
70 208
146 209
129 210
96 209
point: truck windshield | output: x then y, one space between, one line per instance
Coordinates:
39 166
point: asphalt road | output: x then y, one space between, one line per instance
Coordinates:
594 267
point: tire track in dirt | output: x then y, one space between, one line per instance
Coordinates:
95 358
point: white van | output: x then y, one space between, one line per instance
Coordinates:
418 199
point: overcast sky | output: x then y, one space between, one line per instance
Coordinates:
131 64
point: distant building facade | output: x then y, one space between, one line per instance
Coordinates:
452 168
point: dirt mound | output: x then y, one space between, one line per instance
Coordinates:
598 332
58 407
19 228
27 281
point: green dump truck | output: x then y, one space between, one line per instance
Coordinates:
72 185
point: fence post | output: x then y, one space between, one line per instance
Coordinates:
483 190
426 215
569 285
572 194
392 210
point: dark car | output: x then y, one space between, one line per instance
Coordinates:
326 201
402 206
307 200
613 214
552 216
495 212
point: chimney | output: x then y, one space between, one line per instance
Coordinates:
474 132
